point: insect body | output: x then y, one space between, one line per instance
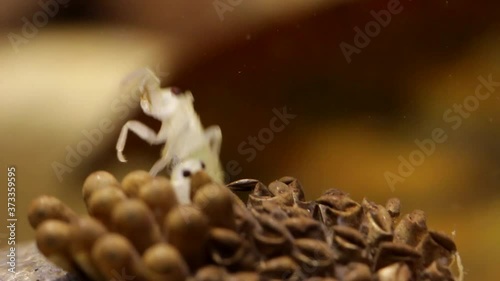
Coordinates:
181 129
181 178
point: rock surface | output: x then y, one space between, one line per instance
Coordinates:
31 265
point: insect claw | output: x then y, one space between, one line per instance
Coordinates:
120 156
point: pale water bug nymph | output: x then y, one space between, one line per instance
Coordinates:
181 129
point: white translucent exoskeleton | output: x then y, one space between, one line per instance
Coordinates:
181 129
181 178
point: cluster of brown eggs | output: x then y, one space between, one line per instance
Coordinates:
137 230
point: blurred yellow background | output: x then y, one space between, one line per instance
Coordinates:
359 111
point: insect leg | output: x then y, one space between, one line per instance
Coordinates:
161 163
213 135
139 129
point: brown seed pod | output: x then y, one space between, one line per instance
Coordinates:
260 193
84 232
225 247
160 197
164 262
216 203
298 211
186 228
437 271
48 207
395 272
278 192
389 253
211 273
304 227
321 279
393 206
238 204
260 190
133 219
228 249
287 179
285 191
314 257
244 185
334 207
256 201
96 181
295 186
436 245
199 180
53 239
271 208
117 259
276 236
349 244
278 188
354 271
133 182
411 229
242 188
279 211
245 222
102 202
273 239
280 268
245 276
376 224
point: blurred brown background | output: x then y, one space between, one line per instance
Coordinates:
242 59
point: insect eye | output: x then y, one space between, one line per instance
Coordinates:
203 166
176 90
186 173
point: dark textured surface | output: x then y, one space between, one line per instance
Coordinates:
31 265
277 234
